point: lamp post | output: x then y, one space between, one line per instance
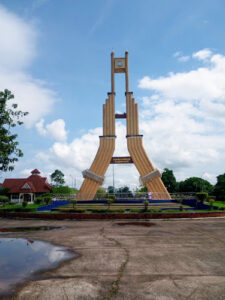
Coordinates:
72 180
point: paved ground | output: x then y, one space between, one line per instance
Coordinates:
179 259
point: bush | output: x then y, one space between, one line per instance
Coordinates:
201 196
181 208
4 199
211 198
106 211
135 210
20 209
155 210
24 203
47 199
62 190
146 205
72 210
38 200
180 200
74 203
4 191
211 201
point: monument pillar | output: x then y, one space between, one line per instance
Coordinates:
149 176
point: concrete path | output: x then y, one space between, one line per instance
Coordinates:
174 259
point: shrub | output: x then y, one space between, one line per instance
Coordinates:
180 200
38 200
155 210
211 198
74 203
135 210
106 211
22 209
201 196
4 199
24 203
72 210
4 191
211 201
112 197
110 200
47 199
100 210
181 208
146 205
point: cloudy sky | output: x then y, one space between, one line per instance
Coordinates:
55 58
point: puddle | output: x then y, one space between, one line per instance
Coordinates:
21 259
145 224
25 229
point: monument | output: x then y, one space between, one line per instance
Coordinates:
149 176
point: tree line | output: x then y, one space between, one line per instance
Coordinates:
194 184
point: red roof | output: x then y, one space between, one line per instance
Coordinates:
36 183
35 171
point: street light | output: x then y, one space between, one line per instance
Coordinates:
72 180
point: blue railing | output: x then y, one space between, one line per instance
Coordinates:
189 202
54 204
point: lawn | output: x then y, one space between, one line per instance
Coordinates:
15 206
219 204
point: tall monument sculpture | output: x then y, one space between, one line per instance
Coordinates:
149 176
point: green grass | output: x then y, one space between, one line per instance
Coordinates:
219 204
13 206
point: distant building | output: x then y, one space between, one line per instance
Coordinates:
26 189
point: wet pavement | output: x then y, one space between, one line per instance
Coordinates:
22 259
174 259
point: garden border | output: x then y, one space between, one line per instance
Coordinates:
125 216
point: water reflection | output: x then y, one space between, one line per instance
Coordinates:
21 258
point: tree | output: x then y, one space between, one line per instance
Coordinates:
57 177
9 118
124 192
3 199
143 189
219 189
169 180
62 190
195 184
100 194
111 190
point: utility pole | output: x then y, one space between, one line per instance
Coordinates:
113 180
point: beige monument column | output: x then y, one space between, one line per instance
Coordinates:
149 176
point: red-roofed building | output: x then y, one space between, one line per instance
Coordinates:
27 188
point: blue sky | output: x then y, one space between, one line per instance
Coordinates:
55 57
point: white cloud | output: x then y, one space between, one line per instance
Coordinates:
184 128
177 54
26 172
78 155
17 50
202 54
17 41
55 130
183 58
180 57
203 83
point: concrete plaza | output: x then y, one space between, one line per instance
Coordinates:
155 260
